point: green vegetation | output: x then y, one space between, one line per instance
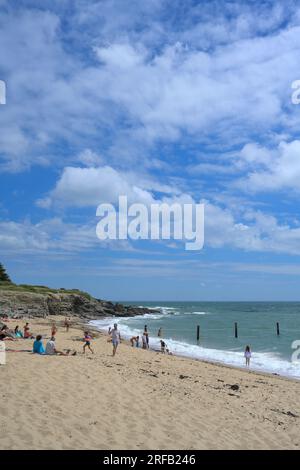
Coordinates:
4 277
7 285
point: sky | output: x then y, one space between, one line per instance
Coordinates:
162 101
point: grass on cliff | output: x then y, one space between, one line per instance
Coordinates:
9 286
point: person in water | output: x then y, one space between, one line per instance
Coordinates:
38 347
247 355
159 333
115 338
87 338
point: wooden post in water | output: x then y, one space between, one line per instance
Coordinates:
198 332
235 330
278 329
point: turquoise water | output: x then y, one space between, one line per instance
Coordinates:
256 327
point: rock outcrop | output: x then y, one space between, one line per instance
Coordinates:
31 304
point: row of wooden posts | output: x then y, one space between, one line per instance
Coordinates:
236 335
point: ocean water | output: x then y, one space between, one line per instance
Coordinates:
256 327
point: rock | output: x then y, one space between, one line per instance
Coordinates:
18 304
235 387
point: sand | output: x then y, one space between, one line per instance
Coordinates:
138 400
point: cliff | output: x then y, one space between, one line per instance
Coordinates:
38 301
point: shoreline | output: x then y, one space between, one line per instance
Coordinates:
203 360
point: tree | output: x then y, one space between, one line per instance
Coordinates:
4 277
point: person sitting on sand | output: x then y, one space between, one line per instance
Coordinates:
87 339
247 355
27 333
51 349
38 347
6 334
115 337
18 332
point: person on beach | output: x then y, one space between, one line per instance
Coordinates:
146 334
115 337
27 333
67 324
53 329
159 333
144 341
6 334
135 341
247 355
87 338
38 347
163 346
51 349
18 332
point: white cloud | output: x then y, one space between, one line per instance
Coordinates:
82 187
281 172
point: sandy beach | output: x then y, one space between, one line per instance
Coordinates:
138 399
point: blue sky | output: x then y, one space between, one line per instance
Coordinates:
163 101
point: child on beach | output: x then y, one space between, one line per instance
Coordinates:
67 324
135 340
163 346
87 339
115 337
247 355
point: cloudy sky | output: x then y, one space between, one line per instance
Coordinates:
162 100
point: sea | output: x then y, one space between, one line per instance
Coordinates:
256 326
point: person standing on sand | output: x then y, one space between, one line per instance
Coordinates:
53 329
67 324
115 337
87 339
144 341
146 334
247 355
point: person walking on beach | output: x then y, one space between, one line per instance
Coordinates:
87 339
163 346
247 355
115 338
